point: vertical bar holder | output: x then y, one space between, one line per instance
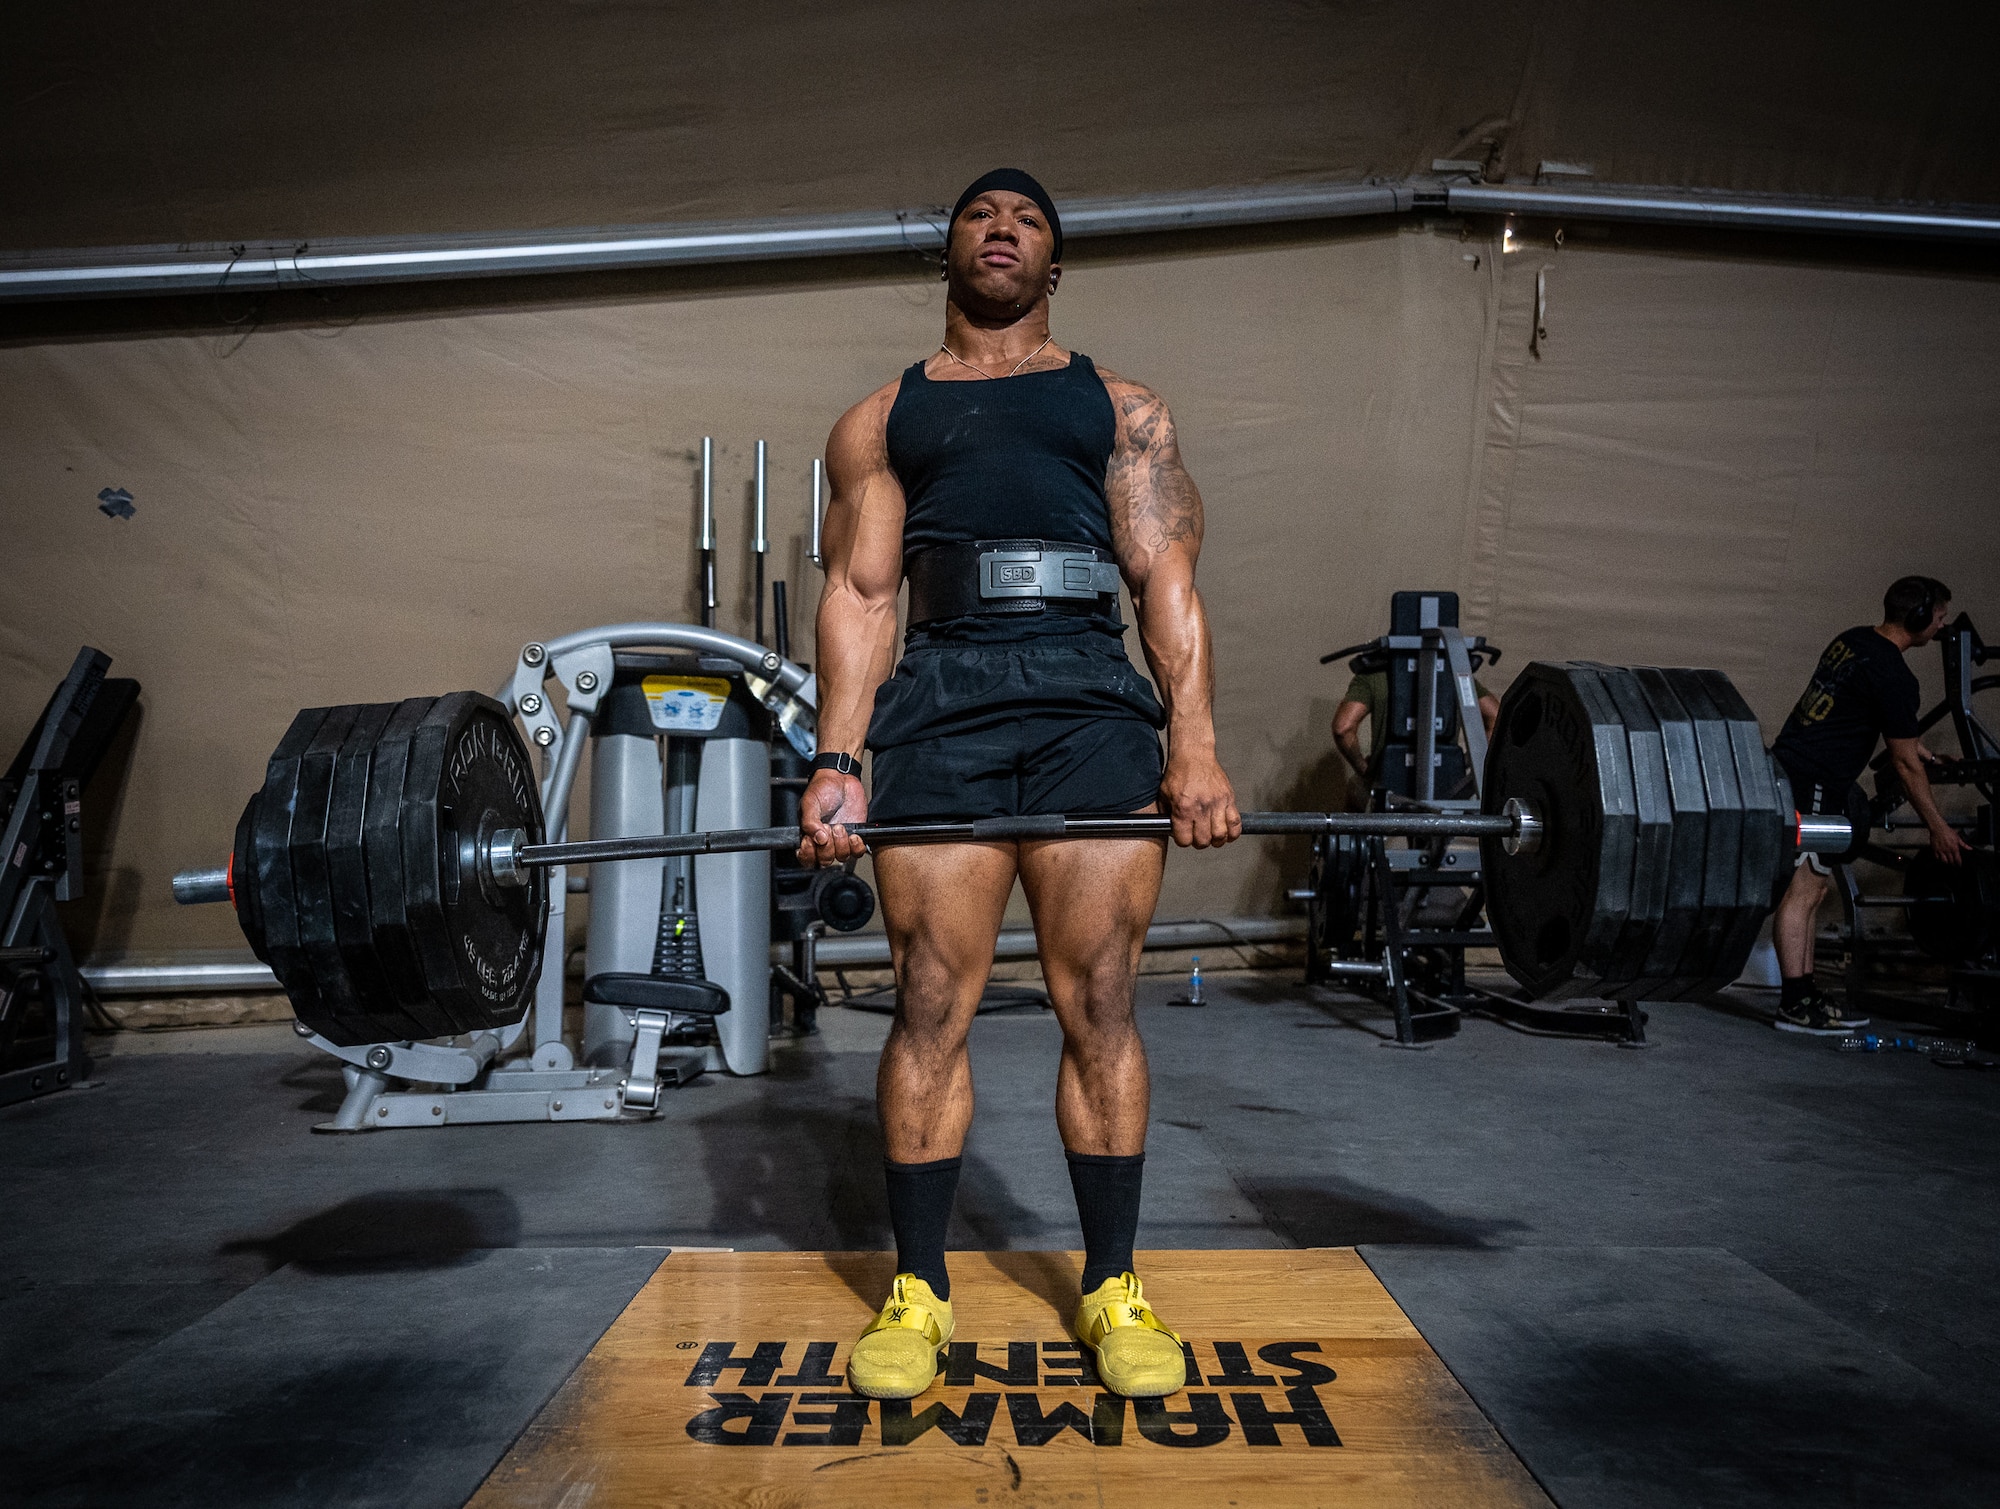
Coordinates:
707 532
758 543
819 473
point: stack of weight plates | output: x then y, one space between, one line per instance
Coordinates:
355 873
1665 831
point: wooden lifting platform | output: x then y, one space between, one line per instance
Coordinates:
722 1384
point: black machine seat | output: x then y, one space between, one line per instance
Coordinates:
681 997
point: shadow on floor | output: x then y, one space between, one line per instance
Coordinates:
1676 1414
1050 1276
321 1081
825 1193
1336 1213
397 1230
808 1177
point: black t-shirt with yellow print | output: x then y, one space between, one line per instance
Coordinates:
1861 690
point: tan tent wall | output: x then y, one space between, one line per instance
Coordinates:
1714 460
129 123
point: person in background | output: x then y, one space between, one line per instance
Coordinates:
1860 691
1368 698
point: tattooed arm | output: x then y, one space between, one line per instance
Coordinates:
1156 533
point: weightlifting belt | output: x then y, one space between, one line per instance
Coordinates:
1011 576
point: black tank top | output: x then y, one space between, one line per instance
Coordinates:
1020 458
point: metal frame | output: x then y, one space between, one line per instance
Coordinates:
41 864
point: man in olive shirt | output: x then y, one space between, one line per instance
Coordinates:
1368 697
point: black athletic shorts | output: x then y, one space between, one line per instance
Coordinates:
1014 730
1816 797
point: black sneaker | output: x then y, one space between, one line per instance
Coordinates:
1819 1016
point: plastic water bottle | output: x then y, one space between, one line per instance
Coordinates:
1871 1043
1194 984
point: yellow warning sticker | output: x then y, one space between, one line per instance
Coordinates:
686 704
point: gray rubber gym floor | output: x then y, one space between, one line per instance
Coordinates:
1735 1267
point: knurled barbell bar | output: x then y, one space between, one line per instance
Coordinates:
391 870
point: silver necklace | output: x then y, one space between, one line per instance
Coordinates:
988 375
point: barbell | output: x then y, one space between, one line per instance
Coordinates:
392 869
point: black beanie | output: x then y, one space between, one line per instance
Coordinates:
1017 182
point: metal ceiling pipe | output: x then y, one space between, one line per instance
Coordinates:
1741 211
210 269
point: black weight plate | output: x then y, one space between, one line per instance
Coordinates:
1957 918
271 864
1722 873
1667 972
481 944
382 850
1624 976
1861 817
243 879
1764 830
338 1012
382 1016
1339 871
1782 784
1556 913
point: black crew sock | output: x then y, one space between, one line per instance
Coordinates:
1107 1207
1794 993
920 1196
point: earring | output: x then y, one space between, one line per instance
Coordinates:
944 270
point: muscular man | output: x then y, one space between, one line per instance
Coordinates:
1014 483
1860 690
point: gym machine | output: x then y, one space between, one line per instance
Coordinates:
1395 922
41 863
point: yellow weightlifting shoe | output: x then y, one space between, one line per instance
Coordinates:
1136 1355
896 1357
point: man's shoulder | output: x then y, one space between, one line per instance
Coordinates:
868 420
1861 640
1884 653
1117 384
1368 686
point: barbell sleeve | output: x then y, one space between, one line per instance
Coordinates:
1819 833
196 887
